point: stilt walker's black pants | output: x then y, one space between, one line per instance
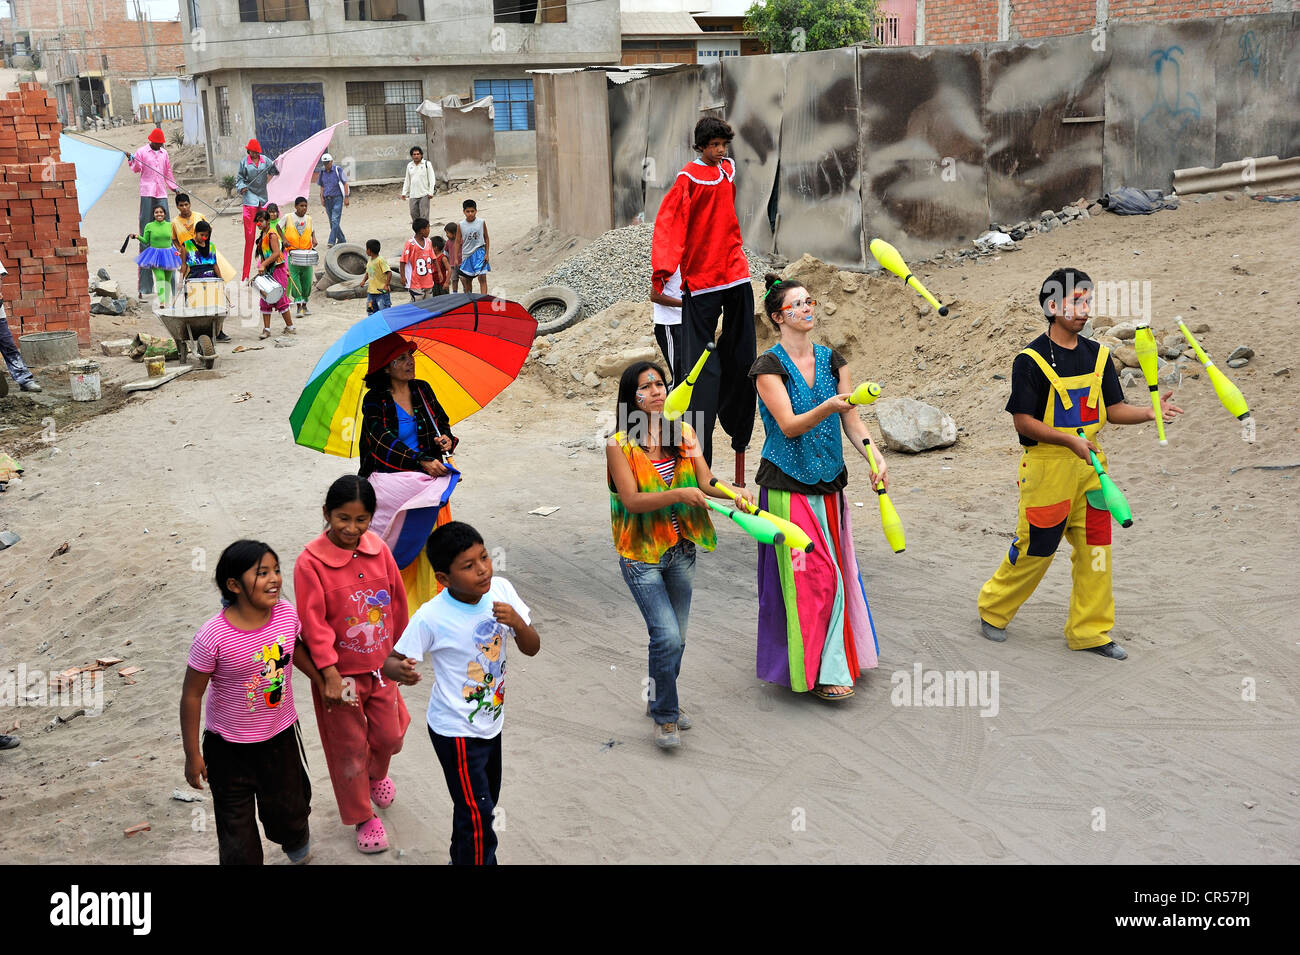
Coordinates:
724 392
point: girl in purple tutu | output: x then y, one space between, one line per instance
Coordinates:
270 261
158 253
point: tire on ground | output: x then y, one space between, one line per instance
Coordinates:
554 295
345 261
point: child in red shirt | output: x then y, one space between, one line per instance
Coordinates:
696 228
417 261
441 267
353 608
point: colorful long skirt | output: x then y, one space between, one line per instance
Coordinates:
409 506
814 625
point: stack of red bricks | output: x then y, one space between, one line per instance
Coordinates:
48 285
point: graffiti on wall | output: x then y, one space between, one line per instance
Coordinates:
1171 104
1251 52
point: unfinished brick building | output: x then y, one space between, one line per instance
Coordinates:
47 288
980 21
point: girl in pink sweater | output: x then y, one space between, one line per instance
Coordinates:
353 609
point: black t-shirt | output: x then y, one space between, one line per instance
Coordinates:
769 475
1030 389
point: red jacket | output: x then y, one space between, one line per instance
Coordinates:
697 229
352 604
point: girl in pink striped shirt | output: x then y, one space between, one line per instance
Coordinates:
252 747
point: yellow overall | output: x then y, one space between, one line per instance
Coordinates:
1061 495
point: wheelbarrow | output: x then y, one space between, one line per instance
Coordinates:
196 319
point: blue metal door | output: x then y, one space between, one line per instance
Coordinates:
284 114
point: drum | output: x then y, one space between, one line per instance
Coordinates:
304 257
267 287
205 293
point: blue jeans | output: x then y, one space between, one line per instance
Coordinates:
12 356
375 301
334 209
663 595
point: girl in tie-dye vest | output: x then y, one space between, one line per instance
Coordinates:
657 486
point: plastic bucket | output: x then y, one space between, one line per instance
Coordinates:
83 375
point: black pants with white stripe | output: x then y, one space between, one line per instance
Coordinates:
724 391
669 338
472 767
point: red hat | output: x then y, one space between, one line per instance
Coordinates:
385 351
156 136
254 146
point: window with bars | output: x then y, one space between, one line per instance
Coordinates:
530 11
383 10
223 111
706 54
886 29
384 109
273 11
513 102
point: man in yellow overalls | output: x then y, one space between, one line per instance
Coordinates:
1061 383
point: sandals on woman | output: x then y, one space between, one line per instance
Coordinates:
383 792
822 694
371 837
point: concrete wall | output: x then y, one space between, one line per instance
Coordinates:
457 44
927 146
365 157
453 32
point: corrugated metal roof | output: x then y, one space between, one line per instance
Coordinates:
659 24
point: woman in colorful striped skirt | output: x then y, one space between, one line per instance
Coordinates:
814 628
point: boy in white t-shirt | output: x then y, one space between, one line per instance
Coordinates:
668 321
466 629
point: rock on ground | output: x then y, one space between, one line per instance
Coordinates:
910 425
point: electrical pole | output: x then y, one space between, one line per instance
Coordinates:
139 19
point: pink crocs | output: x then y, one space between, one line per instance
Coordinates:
371 836
383 792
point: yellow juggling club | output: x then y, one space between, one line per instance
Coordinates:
865 394
796 538
889 258
889 522
679 399
1145 343
1229 395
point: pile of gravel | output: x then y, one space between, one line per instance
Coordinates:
616 267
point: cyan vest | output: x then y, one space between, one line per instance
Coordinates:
817 454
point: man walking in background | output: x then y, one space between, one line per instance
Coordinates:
417 187
334 196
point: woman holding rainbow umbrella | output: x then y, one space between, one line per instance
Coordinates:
390 391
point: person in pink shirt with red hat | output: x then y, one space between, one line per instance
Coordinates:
251 181
154 167
353 608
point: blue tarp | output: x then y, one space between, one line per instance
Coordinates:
96 168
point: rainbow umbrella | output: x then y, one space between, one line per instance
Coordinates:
468 348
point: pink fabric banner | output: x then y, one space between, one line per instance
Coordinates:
296 165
